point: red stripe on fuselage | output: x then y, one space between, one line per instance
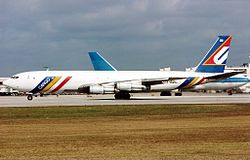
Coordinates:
201 81
62 84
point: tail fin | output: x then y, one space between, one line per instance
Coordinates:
216 58
99 63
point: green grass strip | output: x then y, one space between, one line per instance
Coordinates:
122 110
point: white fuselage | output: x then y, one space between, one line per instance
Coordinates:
58 81
27 81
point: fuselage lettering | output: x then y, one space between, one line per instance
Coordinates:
44 83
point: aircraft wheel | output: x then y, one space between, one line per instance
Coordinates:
178 94
117 96
121 95
29 97
126 96
230 92
164 93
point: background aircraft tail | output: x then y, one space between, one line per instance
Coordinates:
216 58
99 63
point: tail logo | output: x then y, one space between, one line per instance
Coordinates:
220 55
216 58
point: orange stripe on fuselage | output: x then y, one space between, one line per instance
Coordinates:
56 79
192 82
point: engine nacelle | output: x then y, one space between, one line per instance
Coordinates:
96 89
124 86
164 87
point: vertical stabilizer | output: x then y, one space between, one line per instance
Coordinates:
99 63
216 58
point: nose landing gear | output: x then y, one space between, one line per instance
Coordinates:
30 97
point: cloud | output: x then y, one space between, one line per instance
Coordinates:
133 34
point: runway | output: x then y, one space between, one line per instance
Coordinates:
137 99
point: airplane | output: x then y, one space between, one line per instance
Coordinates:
101 64
228 83
122 83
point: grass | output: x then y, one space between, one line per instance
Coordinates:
123 110
126 132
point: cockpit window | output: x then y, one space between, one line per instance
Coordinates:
14 77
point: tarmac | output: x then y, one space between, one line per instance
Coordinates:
136 99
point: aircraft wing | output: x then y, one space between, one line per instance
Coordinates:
154 81
161 80
149 81
222 76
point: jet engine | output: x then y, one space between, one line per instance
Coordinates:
125 86
96 89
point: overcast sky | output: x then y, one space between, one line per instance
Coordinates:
131 34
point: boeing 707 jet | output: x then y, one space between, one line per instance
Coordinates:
122 83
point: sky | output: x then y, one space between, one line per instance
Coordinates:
131 34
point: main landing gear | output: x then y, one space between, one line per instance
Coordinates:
166 93
230 92
122 95
178 94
